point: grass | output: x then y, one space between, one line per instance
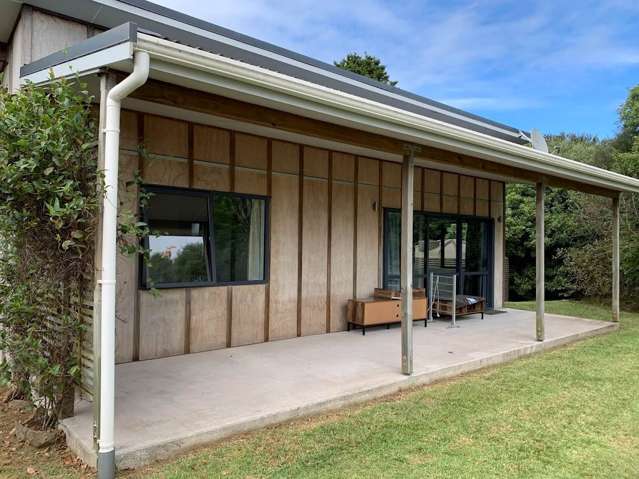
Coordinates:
581 309
572 412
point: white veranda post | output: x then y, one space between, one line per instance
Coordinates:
406 269
615 259
540 240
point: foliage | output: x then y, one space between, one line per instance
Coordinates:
564 212
366 65
628 121
130 229
49 198
578 226
188 265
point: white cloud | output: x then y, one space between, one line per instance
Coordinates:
493 54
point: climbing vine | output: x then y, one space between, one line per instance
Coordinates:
50 195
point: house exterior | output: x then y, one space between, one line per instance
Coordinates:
282 187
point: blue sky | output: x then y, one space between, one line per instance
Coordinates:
552 65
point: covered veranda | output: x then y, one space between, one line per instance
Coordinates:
166 406
150 409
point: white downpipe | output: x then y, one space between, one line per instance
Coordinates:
106 450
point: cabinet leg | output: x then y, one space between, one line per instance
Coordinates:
363 330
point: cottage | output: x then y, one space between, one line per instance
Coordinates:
282 187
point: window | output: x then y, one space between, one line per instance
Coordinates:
442 244
178 245
201 238
238 225
392 249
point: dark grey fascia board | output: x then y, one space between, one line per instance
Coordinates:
124 33
107 15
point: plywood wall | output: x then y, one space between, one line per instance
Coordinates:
342 238
126 268
314 243
36 35
326 233
209 317
367 222
283 284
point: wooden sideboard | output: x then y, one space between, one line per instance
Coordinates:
381 311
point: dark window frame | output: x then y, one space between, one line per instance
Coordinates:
210 240
458 218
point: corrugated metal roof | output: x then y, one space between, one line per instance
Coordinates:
194 32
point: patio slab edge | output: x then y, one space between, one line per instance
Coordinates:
146 453
80 447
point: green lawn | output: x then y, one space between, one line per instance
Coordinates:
580 309
572 412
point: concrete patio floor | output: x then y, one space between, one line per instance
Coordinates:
169 405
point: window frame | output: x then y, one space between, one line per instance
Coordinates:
209 241
458 218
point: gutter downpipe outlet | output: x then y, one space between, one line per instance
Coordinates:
106 443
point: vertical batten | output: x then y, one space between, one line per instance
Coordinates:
540 239
615 259
406 270
329 242
269 194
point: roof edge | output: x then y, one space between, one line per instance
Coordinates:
498 149
249 40
188 30
127 32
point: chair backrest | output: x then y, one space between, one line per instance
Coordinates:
443 286
442 289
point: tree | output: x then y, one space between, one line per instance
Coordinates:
629 121
190 263
578 226
366 65
629 111
564 228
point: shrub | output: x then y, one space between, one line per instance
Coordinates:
50 195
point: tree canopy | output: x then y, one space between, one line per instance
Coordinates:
629 122
578 226
366 65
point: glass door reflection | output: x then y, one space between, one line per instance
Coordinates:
442 246
474 261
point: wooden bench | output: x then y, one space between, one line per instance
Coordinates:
464 307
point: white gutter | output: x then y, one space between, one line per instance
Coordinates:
264 52
393 120
106 443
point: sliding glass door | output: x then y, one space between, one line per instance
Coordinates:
442 244
474 264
